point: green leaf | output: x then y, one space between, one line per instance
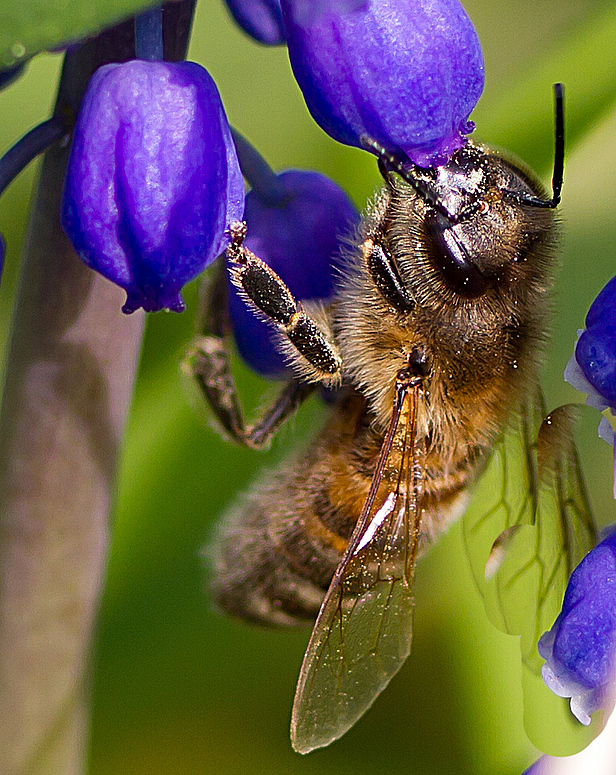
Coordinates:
30 26
522 119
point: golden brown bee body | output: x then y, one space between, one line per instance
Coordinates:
432 340
458 290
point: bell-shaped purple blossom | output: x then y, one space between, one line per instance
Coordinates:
592 367
153 179
406 73
261 19
298 232
579 649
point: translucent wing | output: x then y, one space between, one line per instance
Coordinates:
529 524
363 632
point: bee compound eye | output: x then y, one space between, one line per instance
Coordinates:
451 255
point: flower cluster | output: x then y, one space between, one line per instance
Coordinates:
580 648
154 183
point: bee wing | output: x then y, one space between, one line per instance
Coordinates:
363 631
529 524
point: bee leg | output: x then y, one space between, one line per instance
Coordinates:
208 362
385 275
270 298
293 394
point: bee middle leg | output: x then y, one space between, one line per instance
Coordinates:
208 362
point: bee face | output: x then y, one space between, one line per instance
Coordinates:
482 231
474 237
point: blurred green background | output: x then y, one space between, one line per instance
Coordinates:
179 689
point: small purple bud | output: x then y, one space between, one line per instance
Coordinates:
261 19
579 649
596 354
299 236
592 367
406 73
603 308
153 180
595 351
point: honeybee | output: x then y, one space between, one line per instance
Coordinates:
433 339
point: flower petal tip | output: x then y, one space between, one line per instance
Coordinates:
169 301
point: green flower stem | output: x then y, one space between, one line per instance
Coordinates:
70 372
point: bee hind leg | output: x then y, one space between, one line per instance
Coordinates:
208 362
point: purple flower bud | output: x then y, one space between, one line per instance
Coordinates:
153 180
299 236
579 649
592 367
406 73
595 351
261 19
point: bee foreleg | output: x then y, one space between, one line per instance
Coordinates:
208 362
268 295
385 275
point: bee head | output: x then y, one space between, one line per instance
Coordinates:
481 211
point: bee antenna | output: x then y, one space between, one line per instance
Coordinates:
559 143
389 162
559 156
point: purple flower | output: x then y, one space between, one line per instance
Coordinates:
261 19
153 180
406 73
592 367
596 349
299 235
579 649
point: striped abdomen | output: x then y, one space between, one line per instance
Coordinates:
277 549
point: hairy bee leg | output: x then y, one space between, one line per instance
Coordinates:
208 362
266 293
290 398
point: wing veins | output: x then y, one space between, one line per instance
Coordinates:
367 574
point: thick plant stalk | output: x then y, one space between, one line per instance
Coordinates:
70 374
71 367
